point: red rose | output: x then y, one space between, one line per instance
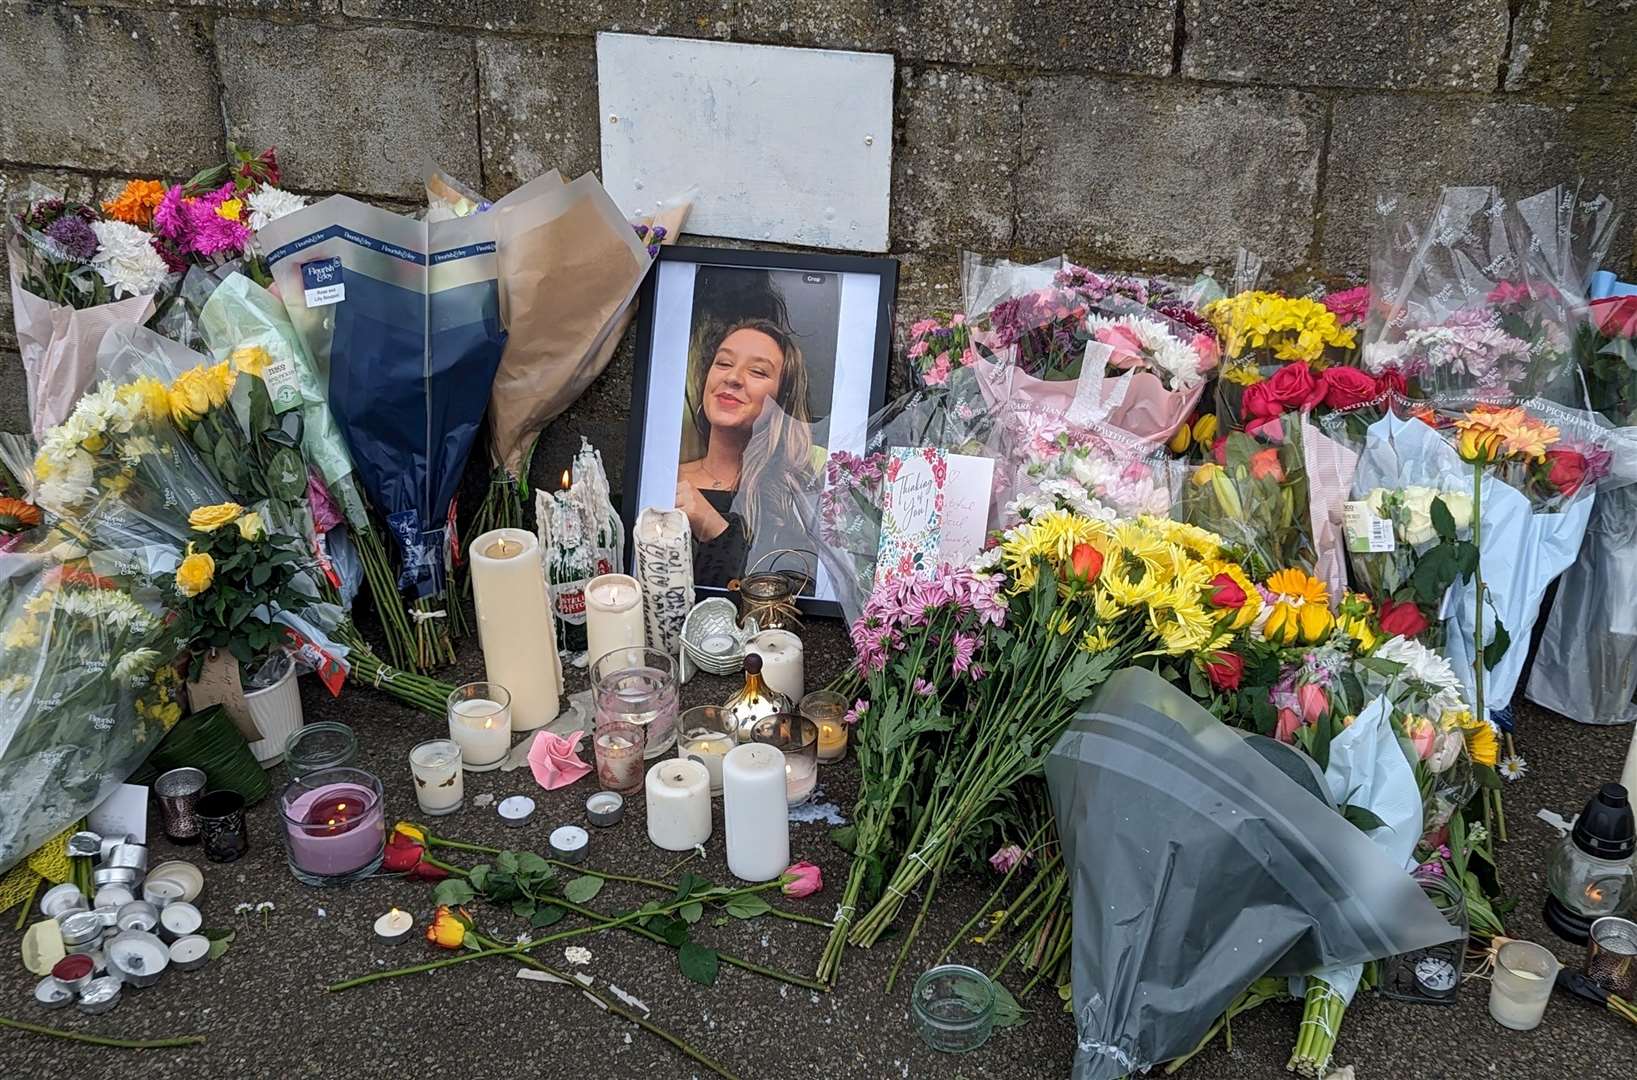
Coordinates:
403 856
1402 619
1086 561
1219 450
1226 593
1392 380
1566 469
1294 387
1259 402
1225 669
1345 387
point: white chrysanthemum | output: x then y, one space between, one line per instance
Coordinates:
986 561
134 449
134 667
14 684
1173 360
267 204
1432 671
1378 356
71 482
126 259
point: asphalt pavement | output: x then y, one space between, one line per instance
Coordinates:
264 1010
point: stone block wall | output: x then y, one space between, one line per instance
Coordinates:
1148 134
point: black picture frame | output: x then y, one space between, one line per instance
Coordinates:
882 267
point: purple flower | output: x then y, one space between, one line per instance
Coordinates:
856 713
966 645
659 233
167 216
1004 859
74 238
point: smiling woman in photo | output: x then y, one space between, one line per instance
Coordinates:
750 385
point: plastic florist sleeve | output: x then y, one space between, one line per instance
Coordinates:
86 693
402 321
1201 860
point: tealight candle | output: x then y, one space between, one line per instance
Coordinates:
782 663
393 927
569 843
797 739
827 709
440 783
705 733
480 720
679 804
515 810
613 615
514 624
755 817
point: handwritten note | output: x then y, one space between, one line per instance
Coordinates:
965 522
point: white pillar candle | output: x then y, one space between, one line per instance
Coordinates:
782 664
440 783
613 615
679 804
755 815
514 623
1628 776
483 728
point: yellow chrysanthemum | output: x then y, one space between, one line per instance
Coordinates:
1293 327
1242 374
117 483
1063 623
23 633
1096 641
219 382
148 394
250 360
1105 606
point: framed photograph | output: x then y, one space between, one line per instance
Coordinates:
751 368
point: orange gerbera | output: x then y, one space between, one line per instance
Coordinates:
17 515
136 202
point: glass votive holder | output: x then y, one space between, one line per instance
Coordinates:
705 733
324 745
1525 974
826 708
638 686
440 782
954 1008
796 738
223 832
334 825
480 720
620 748
177 792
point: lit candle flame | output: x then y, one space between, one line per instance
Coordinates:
1594 893
565 480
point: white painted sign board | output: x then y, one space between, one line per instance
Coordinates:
790 146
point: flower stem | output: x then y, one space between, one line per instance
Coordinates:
99 1040
653 883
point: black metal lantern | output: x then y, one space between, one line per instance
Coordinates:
1589 873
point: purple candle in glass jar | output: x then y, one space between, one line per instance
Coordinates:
334 825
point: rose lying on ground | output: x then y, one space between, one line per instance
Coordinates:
802 879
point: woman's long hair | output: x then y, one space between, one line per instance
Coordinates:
781 443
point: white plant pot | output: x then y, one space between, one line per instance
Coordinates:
276 711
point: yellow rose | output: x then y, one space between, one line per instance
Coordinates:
447 930
250 360
1316 621
195 574
189 397
250 526
219 379
211 518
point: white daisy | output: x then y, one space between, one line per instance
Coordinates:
126 259
1513 767
267 204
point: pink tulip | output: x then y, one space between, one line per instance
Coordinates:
802 879
1313 702
1290 722
1423 736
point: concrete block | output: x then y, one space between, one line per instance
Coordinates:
682 18
1579 49
93 88
1168 175
1134 36
955 161
352 110
1405 147
1431 44
538 101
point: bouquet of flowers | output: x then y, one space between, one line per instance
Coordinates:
86 691
212 219
1277 351
76 271
1254 494
1096 471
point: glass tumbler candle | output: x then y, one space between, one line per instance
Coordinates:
334 824
440 783
638 686
620 748
705 733
826 708
177 793
1524 976
954 1008
480 720
222 829
796 738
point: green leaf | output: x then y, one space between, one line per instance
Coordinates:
1496 648
673 931
1442 523
523 907
1486 776
583 889
691 913
219 941
453 892
530 863
747 907
698 963
545 915
1085 672
689 884
1362 819
260 575
845 838
478 876
1008 1013
507 861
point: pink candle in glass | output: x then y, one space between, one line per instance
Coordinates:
335 829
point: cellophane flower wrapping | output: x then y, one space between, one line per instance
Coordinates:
87 688
1459 312
402 319
1093 469
1254 494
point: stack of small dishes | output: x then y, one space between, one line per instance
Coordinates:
712 639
